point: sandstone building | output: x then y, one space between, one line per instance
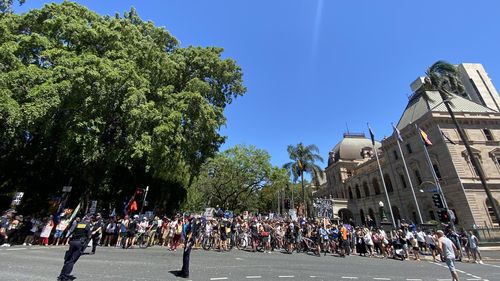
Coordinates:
352 172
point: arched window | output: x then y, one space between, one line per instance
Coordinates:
395 212
372 214
350 193
362 216
366 189
376 187
388 183
358 192
494 219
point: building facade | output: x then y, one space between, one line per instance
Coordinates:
353 173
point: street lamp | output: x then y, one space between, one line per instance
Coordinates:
383 216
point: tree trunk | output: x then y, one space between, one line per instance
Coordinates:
303 194
473 159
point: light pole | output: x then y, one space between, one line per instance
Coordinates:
383 216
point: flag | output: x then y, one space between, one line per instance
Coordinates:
372 136
447 138
398 133
425 138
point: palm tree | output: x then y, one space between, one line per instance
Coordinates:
304 161
443 78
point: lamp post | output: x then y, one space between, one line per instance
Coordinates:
383 216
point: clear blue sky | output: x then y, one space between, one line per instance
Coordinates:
311 66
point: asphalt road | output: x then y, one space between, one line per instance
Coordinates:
44 263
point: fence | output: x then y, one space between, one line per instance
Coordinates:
486 234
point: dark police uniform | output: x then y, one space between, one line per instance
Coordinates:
81 234
96 227
191 233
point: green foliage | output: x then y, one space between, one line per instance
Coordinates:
6 5
444 78
304 160
236 179
112 102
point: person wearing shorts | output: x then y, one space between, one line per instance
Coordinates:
446 247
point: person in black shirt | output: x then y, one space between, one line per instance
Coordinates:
191 233
81 234
96 232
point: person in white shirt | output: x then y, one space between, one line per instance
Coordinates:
448 250
421 241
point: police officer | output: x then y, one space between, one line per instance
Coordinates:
191 233
96 232
81 234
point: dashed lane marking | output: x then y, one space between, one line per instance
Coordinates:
349 277
219 278
381 278
444 280
253 277
413 279
471 279
286 276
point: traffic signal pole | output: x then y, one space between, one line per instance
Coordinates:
434 176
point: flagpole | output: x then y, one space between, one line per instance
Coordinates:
436 180
382 176
408 175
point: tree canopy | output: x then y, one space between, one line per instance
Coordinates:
239 178
109 102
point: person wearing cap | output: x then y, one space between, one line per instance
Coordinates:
77 243
446 247
96 232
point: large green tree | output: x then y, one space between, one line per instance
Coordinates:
112 103
234 180
304 160
443 77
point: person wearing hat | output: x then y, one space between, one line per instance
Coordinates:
77 243
96 232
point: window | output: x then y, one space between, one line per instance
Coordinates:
488 135
408 148
376 187
366 189
395 154
436 170
417 176
388 183
403 180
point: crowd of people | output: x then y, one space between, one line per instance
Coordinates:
252 233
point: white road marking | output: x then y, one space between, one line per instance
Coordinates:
413 279
378 278
474 276
471 279
15 249
349 277
253 277
219 278
286 276
444 280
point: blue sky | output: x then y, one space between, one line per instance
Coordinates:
313 66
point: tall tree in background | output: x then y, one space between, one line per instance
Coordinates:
443 78
304 160
112 102
234 180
